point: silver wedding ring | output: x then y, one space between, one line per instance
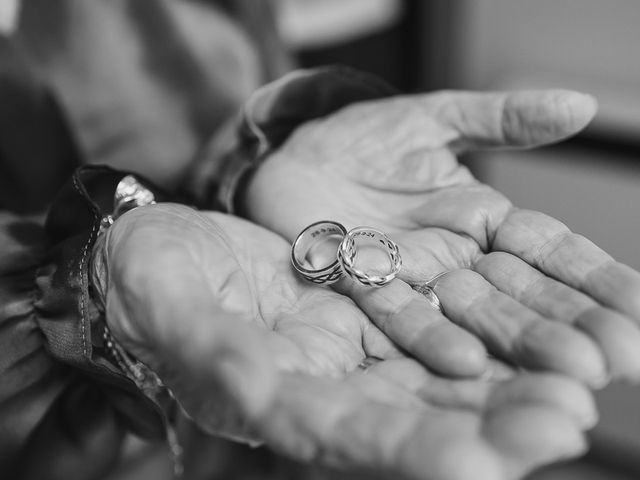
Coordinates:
309 238
427 290
345 258
429 295
348 254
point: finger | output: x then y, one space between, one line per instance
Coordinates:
617 335
498 370
550 246
221 376
473 210
390 382
408 319
551 437
511 119
516 333
427 252
211 358
331 422
479 395
407 374
376 344
557 391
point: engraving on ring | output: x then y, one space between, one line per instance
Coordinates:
348 253
310 237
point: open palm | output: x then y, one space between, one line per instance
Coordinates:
212 284
536 294
211 303
312 330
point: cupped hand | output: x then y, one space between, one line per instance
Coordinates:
205 298
536 294
211 304
397 420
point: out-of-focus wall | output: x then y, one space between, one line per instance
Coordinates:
589 45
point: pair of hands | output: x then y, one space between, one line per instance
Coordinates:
210 302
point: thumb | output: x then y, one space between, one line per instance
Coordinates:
216 361
512 119
162 308
218 367
221 374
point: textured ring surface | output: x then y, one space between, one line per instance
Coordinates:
304 242
431 283
427 289
429 294
348 253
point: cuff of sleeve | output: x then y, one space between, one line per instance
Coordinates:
67 314
270 115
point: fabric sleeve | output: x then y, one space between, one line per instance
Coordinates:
61 396
267 119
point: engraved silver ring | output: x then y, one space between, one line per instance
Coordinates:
348 254
310 237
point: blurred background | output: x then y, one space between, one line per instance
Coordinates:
591 183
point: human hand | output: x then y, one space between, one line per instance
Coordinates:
444 429
211 304
536 294
223 288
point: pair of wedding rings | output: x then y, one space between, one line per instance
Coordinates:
344 260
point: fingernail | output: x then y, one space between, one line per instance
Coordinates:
580 107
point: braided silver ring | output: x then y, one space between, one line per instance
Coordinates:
348 253
311 236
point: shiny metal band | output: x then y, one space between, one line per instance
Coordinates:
305 241
427 289
348 253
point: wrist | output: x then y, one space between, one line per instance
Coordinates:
129 194
259 196
271 116
70 319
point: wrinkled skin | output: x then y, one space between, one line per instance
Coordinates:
212 305
536 295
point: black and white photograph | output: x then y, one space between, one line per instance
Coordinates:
319 240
